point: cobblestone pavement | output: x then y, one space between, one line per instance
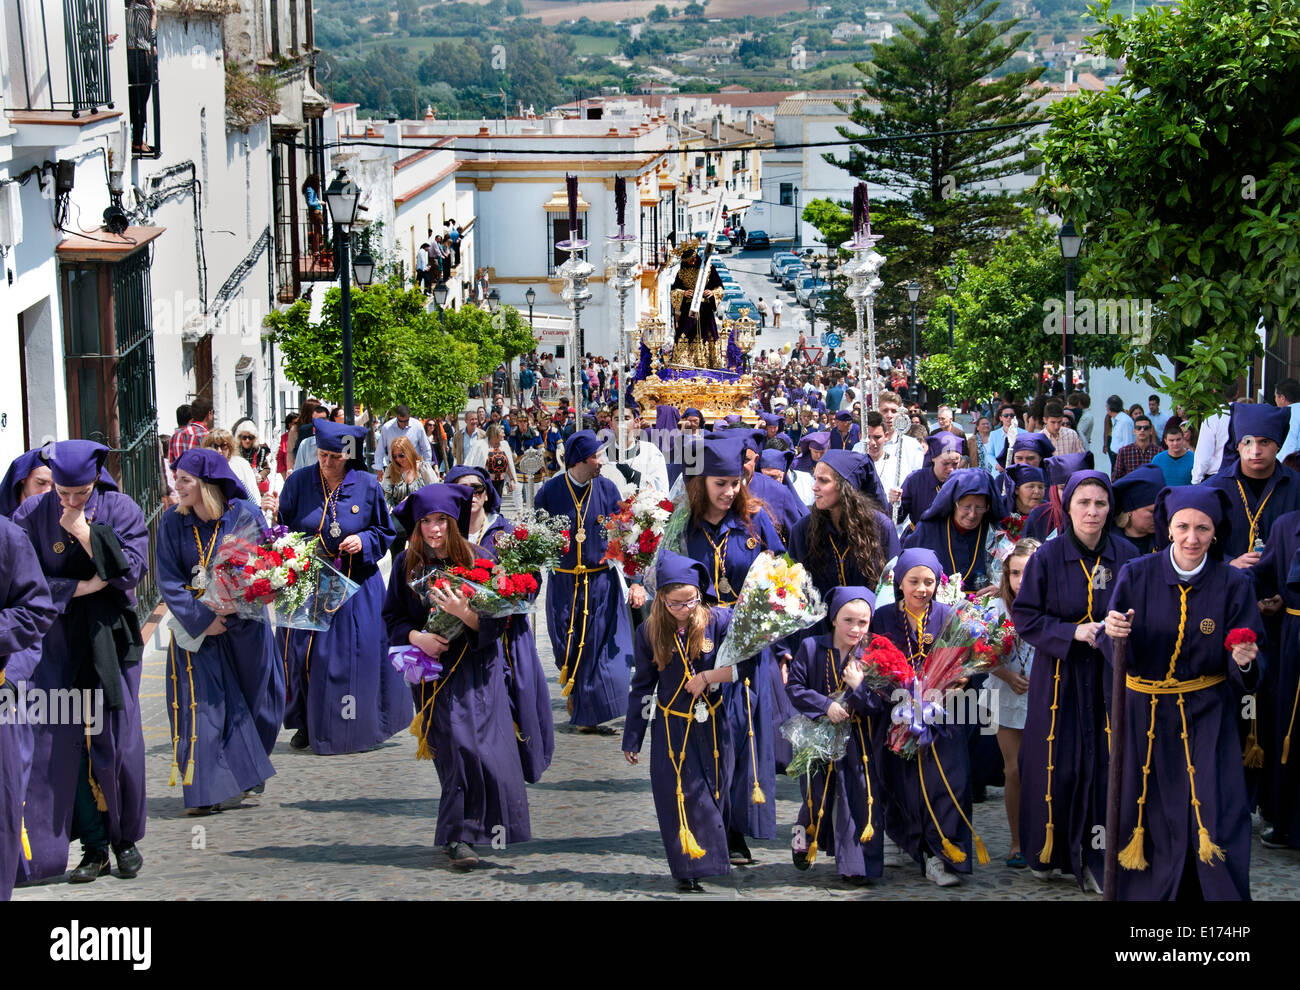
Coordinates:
361 827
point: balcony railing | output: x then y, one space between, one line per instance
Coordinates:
47 76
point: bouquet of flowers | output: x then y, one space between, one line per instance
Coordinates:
883 664
414 664
817 742
960 651
634 532
1013 525
491 589
254 568
777 598
535 543
673 535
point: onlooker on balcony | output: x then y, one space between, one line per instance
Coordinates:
315 216
141 65
454 234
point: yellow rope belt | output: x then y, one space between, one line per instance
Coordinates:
580 569
188 779
1132 857
566 680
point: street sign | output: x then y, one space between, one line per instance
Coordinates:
832 339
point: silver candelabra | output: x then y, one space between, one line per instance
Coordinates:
576 273
863 273
622 258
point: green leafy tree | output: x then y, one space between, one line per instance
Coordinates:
1183 177
931 77
1002 335
833 220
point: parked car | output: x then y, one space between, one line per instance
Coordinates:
822 292
803 286
721 243
757 240
734 306
790 271
779 259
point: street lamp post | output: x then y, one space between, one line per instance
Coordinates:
531 297
439 300
913 294
342 196
951 285
1071 242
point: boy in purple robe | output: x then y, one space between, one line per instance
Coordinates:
88 776
1059 611
26 614
339 501
942 457
587 617
838 811
463 718
1192 625
218 691
927 796
676 694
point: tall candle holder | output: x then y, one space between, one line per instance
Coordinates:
623 259
576 272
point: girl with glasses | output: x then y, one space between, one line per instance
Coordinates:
677 695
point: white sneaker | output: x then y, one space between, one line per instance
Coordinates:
936 871
1090 882
894 855
1044 875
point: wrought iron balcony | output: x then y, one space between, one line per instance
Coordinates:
45 75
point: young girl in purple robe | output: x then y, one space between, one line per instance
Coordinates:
1192 624
463 718
675 685
838 811
1008 694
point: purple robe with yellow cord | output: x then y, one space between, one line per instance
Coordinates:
1188 795
1063 779
838 807
342 688
117 751
686 755
26 613
231 679
587 618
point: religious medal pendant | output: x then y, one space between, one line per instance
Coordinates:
59 547
724 586
701 712
335 529
198 578
1259 545
1101 578
580 537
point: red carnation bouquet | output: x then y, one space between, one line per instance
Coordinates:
883 664
492 591
1236 637
1013 525
636 529
274 576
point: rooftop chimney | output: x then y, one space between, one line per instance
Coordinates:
717 128
1069 77
749 122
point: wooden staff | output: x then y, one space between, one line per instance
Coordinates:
1114 777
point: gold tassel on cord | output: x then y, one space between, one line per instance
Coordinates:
981 851
171 781
416 729
1208 850
189 772
758 797
1286 751
1045 854
1131 857
567 689
811 856
1253 756
953 852
100 803
868 833
27 843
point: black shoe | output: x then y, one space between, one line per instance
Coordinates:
800 859
462 855
689 886
855 881
299 740
94 864
1272 840
980 795
259 789
129 861
739 852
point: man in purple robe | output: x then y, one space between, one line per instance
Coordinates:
26 614
88 776
588 620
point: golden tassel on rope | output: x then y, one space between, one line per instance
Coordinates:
1208 851
1286 750
194 721
757 795
416 729
189 769
1252 757
100 803
981 851
27 843
171 781
811 855
1045 854
690 846
567 689
1131 857
952 851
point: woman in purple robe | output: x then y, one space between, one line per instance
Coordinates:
921 487
838 808
727 530
1192 625
1059 611
959 526
217 690
344 695
676 686
927 796
526 684
463 718
88 774
586 615
26 614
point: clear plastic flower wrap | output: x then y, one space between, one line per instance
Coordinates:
817 742
275 576
492 593
534 543
777 598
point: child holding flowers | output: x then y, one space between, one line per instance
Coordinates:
1008 687
676 693
839 812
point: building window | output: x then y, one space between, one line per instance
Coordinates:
787 194
557 229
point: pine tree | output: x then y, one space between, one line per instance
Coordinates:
934 75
